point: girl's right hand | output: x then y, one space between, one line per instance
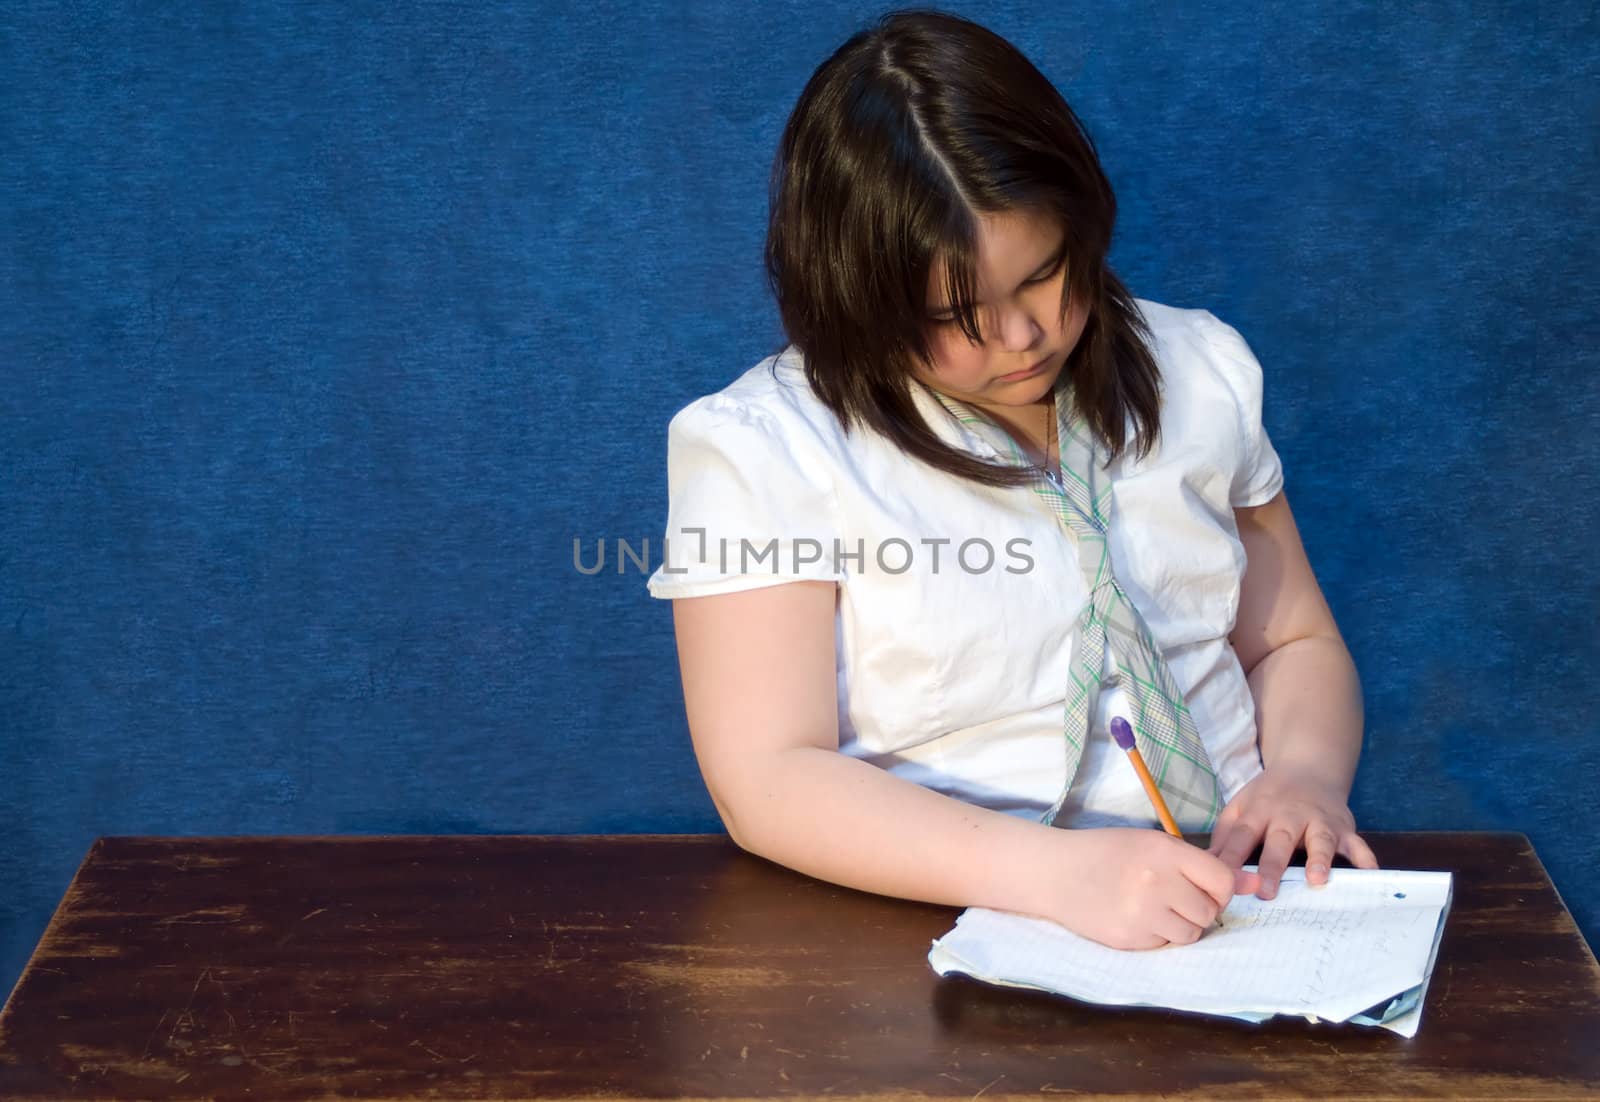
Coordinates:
1135 889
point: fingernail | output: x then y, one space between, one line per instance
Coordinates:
1318 870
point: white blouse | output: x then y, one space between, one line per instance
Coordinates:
956 601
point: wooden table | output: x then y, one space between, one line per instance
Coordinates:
677 966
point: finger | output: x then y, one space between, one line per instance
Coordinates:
1209 878
1177 929
1220 829
1275 854
1128 941
1239 841
1196 907
1320 844
1354 847
1246 883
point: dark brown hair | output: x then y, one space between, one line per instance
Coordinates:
900 139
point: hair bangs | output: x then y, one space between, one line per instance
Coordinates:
958 259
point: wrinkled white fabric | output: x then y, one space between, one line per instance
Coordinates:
952 656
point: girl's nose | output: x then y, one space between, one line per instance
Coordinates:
1017 329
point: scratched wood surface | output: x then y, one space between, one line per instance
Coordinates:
660 966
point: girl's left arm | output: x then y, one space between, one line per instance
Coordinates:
1308 711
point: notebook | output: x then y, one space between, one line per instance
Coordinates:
1359 949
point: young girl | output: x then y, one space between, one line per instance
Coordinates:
982 504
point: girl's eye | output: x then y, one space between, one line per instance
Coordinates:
1051 274
1044 278
943 324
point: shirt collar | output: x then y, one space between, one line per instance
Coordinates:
967 427
957 423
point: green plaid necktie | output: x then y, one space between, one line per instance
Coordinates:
1162 726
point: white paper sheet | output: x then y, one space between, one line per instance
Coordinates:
1366 941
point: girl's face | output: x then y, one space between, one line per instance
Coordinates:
1023 347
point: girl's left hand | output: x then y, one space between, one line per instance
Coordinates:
1285 808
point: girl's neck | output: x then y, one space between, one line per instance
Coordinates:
1033 428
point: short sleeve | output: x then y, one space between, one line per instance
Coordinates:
746 506
1259 475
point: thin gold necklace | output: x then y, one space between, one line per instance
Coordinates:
1051 452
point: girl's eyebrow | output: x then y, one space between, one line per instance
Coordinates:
1048 265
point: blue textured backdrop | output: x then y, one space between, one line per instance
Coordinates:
326 329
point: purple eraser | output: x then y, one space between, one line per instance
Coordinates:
1122 733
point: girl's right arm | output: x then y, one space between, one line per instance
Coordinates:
759 688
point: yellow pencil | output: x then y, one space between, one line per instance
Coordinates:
1124 736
